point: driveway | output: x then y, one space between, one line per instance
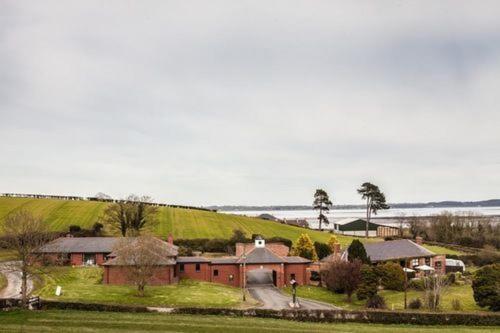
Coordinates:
13 289
272 298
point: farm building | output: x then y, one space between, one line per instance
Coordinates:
357 227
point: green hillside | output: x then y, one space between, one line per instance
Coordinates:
182 223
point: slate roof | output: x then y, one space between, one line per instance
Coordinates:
186 260
80 245
296 260
397 249
226 260
261 255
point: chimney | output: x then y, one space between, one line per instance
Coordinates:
336 249
419 240
170 239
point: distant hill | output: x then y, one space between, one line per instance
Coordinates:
439 204
181 222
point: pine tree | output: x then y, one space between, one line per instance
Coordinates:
322 203
375 201
304 248
357 251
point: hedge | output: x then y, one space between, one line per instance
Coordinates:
365 316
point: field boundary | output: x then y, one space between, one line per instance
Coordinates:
326 316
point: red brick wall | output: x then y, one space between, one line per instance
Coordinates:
76 259
300 273
224 272
118 275
100 258
191 273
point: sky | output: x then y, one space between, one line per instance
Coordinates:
251 102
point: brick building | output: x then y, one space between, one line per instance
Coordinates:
255 263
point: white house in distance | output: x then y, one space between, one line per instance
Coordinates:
354 226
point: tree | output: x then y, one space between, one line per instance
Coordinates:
141 258
369 282
357 251
322 249
434 286
332 243
486 287
131 216
375 201
323 204
304 248
342 277
392 276
24 234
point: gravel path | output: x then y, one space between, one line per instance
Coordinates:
13 289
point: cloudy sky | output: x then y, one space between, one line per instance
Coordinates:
251 102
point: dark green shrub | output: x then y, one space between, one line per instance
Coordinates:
486 287
417 284
322 249
73 229
415 304
357 251
392 276
369 282
376 302
451 278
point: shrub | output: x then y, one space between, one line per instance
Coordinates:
451 278
486 287
185 251
456 304
322 249
73 229
392 276
343 276
369 282
415 304
278 239
376 302
417 284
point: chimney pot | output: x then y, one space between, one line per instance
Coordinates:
170 239
419 240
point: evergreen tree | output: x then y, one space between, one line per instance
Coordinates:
323 204
375 201
322 249
369 282
357 251
304 248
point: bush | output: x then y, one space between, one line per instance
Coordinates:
456 304
283 240
451 278
486 287
376 302
392 276
322 249
369 283
343 276
357 251
417 284
73 229
415 304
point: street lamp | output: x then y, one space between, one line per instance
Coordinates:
293 283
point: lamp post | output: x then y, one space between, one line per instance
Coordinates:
406 282
293 283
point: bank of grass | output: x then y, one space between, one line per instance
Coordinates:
84 284
3 281
393 299
95 322
442 250
182 223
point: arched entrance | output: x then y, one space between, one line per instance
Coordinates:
261 276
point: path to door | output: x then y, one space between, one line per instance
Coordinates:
272 298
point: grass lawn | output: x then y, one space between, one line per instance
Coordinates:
3 281
393 299
442 250
79 321
182 223
83 284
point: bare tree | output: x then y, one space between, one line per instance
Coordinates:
131 216
24 234
342 277
142 257
434 286
401 218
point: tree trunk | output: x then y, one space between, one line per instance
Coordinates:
320 218
367 215
24 285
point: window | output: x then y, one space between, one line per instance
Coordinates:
428 261
216 272
414 262
231 277
437 265
181 268
89 259
197 267
175 271
292 276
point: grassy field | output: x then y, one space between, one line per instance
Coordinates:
182 223
84 284
393 299
79 321
442 250
3 281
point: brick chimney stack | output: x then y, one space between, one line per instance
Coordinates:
419 240
170 239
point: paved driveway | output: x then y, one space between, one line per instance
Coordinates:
13 289
272 298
